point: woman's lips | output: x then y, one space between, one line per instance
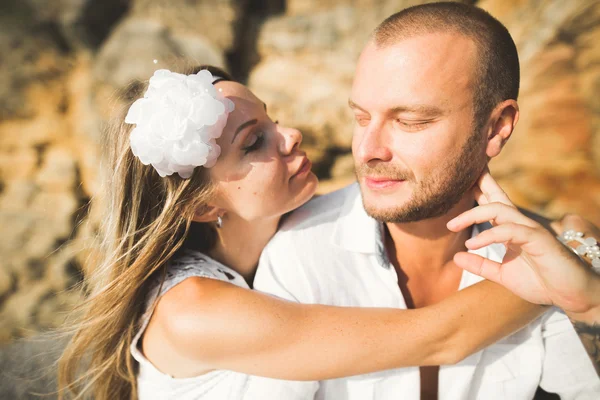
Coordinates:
304 168
378 183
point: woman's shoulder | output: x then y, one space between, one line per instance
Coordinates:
185 320
195 291
191 263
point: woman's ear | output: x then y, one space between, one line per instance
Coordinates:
207 214
508 116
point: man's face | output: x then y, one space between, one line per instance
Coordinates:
414 145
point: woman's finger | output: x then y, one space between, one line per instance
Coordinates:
478 265
513 233
492 190
498 213
479 196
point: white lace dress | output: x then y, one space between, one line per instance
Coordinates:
215 385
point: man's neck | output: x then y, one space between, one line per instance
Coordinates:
241 243
426 247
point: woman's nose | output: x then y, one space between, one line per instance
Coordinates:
291 139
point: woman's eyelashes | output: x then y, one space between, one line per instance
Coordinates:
255 142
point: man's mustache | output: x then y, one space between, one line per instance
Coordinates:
381 170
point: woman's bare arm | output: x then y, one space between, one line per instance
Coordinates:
203 324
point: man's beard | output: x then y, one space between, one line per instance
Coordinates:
436 194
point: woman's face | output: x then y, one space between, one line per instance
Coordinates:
261 172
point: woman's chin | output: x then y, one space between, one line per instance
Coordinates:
308 190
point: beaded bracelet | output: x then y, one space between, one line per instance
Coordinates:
588 247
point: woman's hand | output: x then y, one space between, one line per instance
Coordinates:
536 267
576 223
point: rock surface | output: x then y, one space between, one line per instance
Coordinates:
66 64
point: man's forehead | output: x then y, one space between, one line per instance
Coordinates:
423 64
435 50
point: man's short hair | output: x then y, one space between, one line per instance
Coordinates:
497 60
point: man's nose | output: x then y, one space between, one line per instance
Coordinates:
290 139
373 145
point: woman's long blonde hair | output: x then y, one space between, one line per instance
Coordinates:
148 220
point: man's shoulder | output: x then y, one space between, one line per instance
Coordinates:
308 230
294 262
318 211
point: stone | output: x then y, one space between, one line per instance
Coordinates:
6 281
331 185
58 171
343 167
144 41
54 213
81 23
213 20
27 57
18 164
19 308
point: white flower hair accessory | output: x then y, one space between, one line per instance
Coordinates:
177 122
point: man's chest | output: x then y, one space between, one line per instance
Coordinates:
510 369
423 288
368 280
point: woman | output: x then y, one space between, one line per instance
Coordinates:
170 312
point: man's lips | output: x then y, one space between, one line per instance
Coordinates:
304 167
382 182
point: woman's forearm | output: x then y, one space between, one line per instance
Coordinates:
269 337
489 313
587 324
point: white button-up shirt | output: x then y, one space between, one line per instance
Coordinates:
331 252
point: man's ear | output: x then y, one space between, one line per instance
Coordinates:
505 115
207 214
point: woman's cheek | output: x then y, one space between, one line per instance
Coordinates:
262 183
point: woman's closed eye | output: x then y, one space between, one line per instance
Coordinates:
254 142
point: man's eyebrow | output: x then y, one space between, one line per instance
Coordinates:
422 109
417 109
354 105
242 126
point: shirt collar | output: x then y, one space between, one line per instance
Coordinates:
357 232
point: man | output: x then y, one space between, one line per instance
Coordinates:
434 97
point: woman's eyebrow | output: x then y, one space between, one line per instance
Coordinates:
242 126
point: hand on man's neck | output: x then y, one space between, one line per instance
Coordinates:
422 253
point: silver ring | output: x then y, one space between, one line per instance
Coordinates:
588 247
